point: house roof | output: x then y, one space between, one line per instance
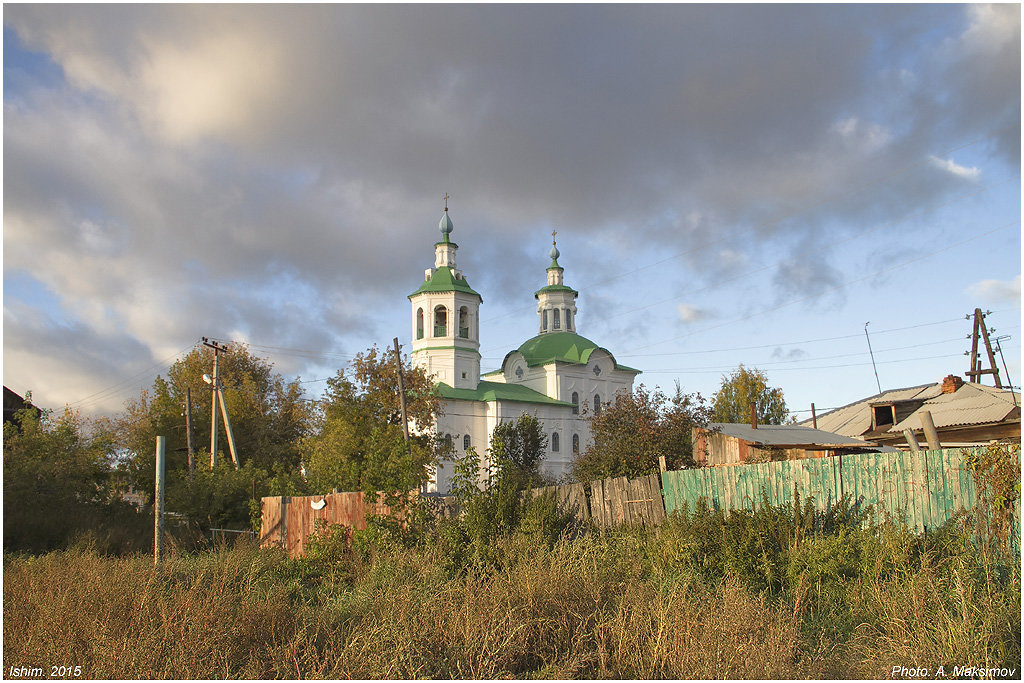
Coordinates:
854 419
788 435
971 404
498 391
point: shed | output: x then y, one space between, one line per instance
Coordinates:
730 443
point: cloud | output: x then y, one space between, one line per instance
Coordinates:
997 292
791 354
275 170
691 314
950 166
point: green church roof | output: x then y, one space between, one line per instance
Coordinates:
564 347
498 391
554 288
443 280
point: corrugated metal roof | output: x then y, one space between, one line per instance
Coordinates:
786 435
971 404
855 419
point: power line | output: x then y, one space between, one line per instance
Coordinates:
106 393
709 369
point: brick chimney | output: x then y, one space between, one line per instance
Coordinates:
951 383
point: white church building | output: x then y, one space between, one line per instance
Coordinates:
551 375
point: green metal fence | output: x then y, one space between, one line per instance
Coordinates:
923 489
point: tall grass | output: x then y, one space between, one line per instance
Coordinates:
806 597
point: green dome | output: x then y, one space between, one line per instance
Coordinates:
567 347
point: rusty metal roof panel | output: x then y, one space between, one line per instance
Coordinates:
971 404
787 435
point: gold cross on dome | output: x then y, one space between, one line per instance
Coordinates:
553 233
445 198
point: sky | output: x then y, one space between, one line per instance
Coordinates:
730 184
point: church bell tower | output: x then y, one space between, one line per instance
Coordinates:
446 318
556 302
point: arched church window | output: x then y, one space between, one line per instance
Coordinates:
419 323
465 442
575 403
568 319
464 322
440 322
554 442
544 320
597 403
575 443
556 324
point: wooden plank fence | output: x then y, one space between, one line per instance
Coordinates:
923 489
286 521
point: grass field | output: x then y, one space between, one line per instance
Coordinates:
764 595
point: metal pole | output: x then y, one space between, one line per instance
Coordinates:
227 426
401 391
999 348
188 433
879 384
158 500
213 420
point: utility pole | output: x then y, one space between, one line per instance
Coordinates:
218 393
188 433
879 384
401 392
975 373
213 417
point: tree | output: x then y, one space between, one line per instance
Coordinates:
358 442
55 477
744 388
517 449
268 416
639 427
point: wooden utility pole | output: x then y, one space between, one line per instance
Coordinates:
981 332
227 426
158 500
188 433
814 417
218 394
401 391
213 417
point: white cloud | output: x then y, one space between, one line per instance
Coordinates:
950 166
997 291
691 314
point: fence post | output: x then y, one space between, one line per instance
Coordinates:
158 501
